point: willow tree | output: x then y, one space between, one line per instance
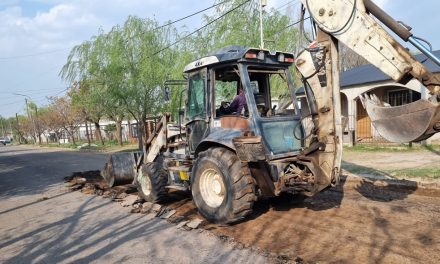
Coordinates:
139 64
82 71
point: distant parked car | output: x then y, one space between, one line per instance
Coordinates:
4 141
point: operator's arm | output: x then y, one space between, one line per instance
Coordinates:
234 104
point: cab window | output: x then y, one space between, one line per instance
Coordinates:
196 106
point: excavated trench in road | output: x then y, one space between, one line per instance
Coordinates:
360 220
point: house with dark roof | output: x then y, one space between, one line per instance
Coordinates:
369 79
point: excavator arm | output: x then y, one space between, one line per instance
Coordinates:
352 23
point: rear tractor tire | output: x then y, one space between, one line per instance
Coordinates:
222 187
151 181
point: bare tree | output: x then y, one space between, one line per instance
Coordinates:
66 116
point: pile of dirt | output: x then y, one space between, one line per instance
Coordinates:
91 182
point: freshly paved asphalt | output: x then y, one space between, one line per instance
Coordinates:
42 222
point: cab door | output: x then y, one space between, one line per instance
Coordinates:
196 114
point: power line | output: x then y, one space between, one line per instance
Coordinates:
38 98
167 24
38 90
193 14
31 92
281 6
32 55
204 26
288 26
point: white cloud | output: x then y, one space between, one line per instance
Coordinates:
66 22
61 24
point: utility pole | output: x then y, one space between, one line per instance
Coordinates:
27 111
29 116
38 125
10 129
3 127
18 128
263 3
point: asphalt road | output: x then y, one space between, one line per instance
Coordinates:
42 222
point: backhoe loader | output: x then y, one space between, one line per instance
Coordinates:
230 159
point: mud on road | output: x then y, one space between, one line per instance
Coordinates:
358 221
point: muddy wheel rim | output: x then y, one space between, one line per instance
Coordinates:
212 188
145 183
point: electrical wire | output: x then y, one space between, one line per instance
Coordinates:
167 24
193 14
32 55
30 93
281 6
204 26
288 26
38 99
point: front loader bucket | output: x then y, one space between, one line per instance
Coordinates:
120 168
406 123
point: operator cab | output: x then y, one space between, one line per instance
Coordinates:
242 89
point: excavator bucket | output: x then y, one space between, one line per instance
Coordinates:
120 168
406 123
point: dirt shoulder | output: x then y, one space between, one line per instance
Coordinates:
422 165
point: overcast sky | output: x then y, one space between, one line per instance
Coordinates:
36 35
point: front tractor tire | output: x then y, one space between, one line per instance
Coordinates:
151 182
222 187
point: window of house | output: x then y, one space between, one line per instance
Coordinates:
402 97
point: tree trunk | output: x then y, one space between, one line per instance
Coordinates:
38 126
91 132
141 133
72 135
98 133
130 133
119 132
87 133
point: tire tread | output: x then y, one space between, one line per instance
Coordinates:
159 180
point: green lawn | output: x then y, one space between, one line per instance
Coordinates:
392 147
